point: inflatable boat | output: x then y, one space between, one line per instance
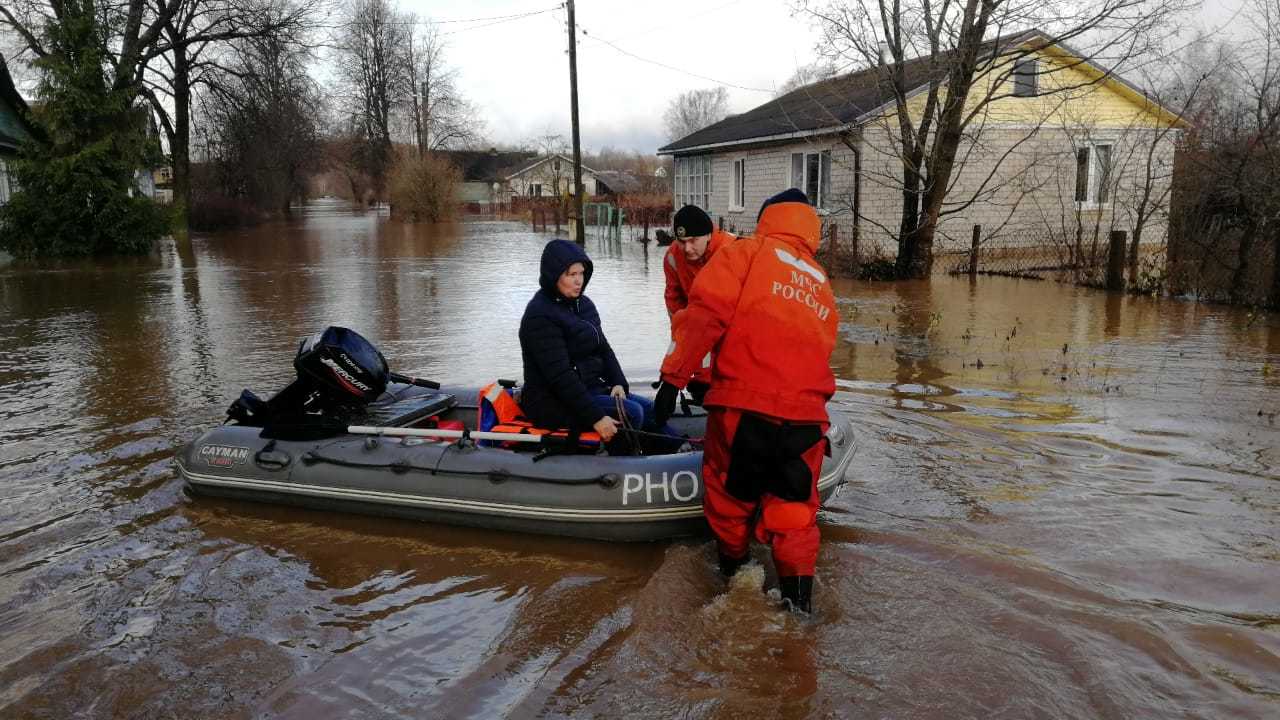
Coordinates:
417 450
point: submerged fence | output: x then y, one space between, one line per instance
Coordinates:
1099 259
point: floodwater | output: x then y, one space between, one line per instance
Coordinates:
1064 504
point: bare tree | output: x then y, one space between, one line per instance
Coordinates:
807 74
691 111
1227 192
442 116
161 49
262 119
195 48
130 32
959 56
549 145
373 64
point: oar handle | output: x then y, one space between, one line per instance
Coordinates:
397 377
443 434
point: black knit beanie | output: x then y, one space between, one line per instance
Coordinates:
691 221
791 195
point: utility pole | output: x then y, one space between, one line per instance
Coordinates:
424 121
576 212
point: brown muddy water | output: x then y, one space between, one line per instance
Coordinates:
1064 504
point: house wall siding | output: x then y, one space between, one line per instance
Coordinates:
1030 199
768 172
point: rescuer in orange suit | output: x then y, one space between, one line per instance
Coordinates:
766 307
696 240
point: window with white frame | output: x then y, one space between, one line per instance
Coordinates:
1025 78
811 172
693 181
535 189
739 199
1093 175
4 182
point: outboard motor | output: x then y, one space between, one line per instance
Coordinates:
339 373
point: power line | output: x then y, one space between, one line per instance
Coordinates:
506 19
683 18
488 21
499 17
672 67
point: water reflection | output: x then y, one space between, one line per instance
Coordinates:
1063 504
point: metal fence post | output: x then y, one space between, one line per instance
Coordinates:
973 250
1115 260
1133 258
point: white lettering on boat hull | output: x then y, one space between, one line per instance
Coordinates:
664 487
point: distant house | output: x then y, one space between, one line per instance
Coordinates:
617 182
549 176
163 177
1064 143
484 172
14 127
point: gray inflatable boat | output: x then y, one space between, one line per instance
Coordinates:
393 466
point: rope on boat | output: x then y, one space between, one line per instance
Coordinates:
605 480
626 426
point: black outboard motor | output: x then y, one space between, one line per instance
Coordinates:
339 373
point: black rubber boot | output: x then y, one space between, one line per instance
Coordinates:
798 590
729 566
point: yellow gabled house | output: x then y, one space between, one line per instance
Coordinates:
1057 150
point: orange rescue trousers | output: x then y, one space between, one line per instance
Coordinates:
789 527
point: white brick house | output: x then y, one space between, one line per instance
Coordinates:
549 176
1041 160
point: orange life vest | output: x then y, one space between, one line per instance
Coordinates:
498 411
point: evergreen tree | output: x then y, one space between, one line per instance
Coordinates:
76 192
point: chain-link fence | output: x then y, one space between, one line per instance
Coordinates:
1102 259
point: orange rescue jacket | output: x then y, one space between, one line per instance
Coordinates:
680 271
764 306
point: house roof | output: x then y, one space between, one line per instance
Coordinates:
486 165
15 128
543 159
619 181
835 103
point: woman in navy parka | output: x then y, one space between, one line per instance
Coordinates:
571 375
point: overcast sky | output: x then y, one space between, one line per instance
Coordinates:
516 70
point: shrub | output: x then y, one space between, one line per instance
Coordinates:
423 189
214 211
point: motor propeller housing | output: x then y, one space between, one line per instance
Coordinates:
343 366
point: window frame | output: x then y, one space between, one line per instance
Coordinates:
694 181
822 160
738 185
1026 84
1097 188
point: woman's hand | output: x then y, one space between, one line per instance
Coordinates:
619 392
606 427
